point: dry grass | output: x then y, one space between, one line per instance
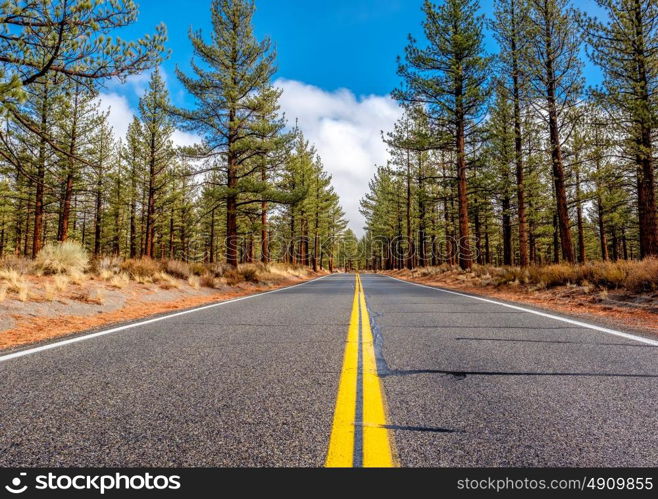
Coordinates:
633 276
70 273
61 282
178 269
23 291
77 278
62 258
106 275
3 292
208 280
50 292
120 281
12 278
15 283
165 281
194 281
107 264
141 269
217 269
19 264
643 277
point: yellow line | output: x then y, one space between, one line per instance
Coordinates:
377 439
377 448
341 443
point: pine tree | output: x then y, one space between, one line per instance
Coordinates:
449 77
511 27
102 154
554 68
72 39
235 106
158 151
133 157
625 45
77 120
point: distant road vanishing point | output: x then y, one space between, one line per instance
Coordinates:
341 371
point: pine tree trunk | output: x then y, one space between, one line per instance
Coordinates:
171 234
556 154
507 230
602 236
465 257
410 244
556 240
478 235
518 148
579 220
98 218
40 178
38 201
645 173
149 246
422 235
211 246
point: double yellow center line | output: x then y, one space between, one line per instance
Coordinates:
359 436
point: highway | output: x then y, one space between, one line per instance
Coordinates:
341 371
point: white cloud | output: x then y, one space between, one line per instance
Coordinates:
121 114
346 131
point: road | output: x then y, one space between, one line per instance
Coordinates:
337 373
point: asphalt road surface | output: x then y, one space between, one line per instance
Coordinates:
255 382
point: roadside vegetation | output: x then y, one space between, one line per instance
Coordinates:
60 269
631 277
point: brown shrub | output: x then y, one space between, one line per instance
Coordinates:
642 276
217 269
198 269
250 272
178 269
208 280
607 274
142 268
558 274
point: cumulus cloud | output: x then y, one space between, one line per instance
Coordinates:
346 131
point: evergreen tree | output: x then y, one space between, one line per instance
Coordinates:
511 29
158 152
235 105
554 69
625 46
449 78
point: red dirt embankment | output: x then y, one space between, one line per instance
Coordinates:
95 303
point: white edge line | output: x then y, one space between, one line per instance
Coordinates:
542 314
85 337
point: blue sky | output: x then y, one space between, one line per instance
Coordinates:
330 44
337 65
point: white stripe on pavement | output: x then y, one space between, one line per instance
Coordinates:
85 337
541 314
